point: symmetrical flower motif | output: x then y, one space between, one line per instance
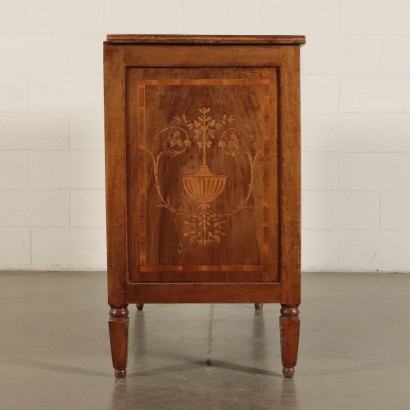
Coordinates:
206 226
229 142
204 128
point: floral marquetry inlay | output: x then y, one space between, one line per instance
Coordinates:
206 225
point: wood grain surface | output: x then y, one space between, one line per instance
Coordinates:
154 216
237 231
202 39
202 148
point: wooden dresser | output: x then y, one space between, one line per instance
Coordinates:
202 148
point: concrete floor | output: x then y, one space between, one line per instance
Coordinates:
354 351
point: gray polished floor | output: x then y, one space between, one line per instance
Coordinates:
354 351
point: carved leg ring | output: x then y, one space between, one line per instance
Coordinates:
289 338
140 306
118 327
258 306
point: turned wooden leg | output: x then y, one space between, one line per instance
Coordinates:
258 306
140 306
289 338
118 326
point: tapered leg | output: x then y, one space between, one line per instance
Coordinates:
258 306
118 326
140 306
289 338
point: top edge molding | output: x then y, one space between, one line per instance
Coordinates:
203 39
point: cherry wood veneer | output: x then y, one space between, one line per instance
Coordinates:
202 148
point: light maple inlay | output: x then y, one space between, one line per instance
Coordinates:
207 225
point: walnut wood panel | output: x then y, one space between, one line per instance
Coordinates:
201 56
115 174
204 292
290 175
205 170
120 156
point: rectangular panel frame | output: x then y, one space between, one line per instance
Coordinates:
268 269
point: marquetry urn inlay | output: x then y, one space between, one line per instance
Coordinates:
206 226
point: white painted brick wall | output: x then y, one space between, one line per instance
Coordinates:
67 169
375 93
15 245
13 91
34 131
59 92
395 56
213 17
13 16
394 132
344 54
343 133
34 208
85 53
320 249
386 250
87 208
150 17
378 171
355 123
319 171
86 130
321 93
71 247
394 210
65 16
14 169
28 52
340 209
299 16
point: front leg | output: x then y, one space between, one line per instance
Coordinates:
118 327
289 338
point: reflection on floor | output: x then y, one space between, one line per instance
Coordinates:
54 348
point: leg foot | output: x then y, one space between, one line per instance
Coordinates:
118 327
258 306
120 374
140 306
288 372
289 338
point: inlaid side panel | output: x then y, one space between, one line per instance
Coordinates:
203 175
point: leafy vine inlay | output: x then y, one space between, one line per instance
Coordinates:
205 226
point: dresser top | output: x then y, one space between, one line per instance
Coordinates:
202 39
